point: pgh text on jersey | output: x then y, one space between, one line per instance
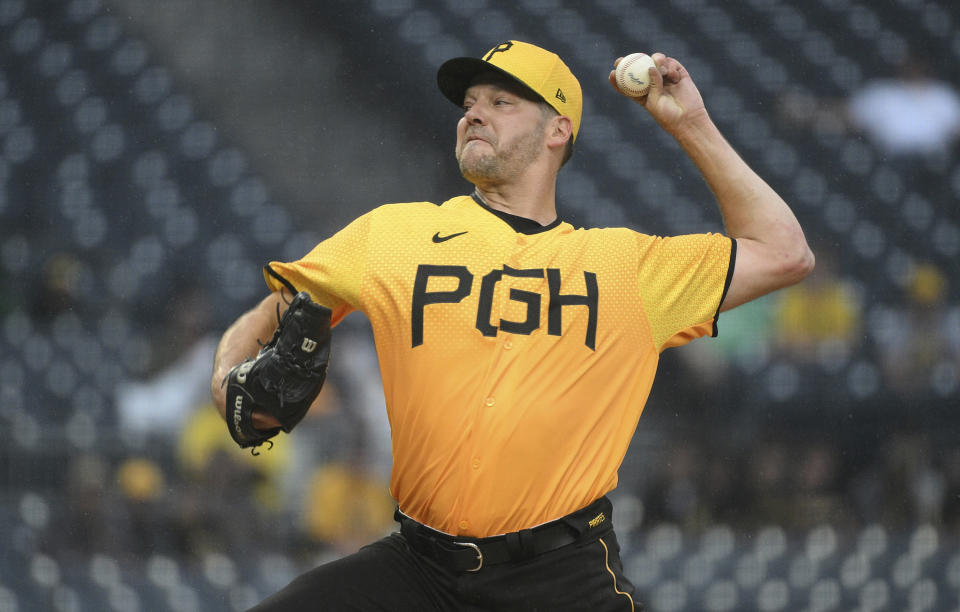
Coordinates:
422 298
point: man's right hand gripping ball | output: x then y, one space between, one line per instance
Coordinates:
284 378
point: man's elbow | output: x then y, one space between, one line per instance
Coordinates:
799 265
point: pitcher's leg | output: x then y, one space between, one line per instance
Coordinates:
584 576
383 576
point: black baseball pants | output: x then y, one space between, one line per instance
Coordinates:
390 576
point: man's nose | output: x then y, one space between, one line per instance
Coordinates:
475 116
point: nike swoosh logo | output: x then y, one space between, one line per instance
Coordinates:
438 238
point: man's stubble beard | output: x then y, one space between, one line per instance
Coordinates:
498 166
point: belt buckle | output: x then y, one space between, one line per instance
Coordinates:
477 550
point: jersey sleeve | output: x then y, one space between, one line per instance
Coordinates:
332 272
683 280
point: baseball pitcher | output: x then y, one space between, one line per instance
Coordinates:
517 351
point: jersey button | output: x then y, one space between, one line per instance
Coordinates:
508 344
475 464
464 525
490 401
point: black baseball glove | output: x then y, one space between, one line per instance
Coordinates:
285 377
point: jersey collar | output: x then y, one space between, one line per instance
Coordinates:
521 225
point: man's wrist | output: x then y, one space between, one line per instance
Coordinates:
219 394
696 130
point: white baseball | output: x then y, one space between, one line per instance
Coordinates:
632 76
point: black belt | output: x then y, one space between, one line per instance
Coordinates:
464 554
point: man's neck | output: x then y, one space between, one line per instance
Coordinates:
536 203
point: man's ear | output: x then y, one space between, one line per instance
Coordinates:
560 131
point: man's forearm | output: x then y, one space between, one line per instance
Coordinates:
772 251
243 340
749 206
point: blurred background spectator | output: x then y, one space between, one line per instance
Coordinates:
913 113
818 321
154 155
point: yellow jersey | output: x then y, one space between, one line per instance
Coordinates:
516 359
